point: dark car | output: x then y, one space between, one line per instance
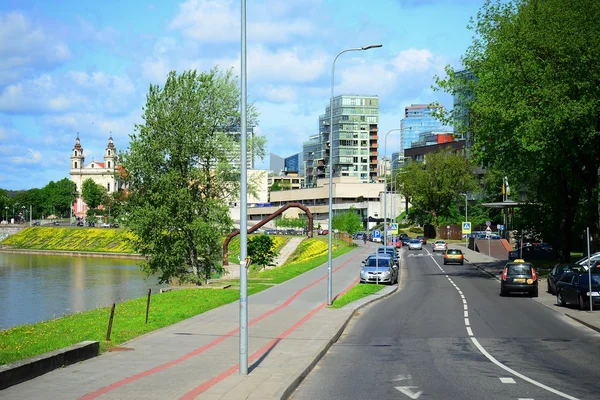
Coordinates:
36 223
379 269
79 223
531 253
573 288
519 276
454 256
405 240
423 239
558 271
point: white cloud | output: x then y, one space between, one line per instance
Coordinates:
277 93
31 157
25 45
219 21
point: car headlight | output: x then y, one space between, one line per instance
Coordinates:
387 272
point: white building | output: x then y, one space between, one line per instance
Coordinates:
103 173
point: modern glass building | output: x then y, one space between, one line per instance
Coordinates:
294 163
351 143
419 118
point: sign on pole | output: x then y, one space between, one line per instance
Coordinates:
488 223
466 228
377 234
394 229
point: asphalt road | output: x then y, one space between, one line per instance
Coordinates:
417 344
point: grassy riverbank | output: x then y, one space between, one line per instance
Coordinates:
166 309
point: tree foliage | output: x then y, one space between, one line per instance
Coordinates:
180 173
285 222
347 221
261 251
92 193
534 106
434 185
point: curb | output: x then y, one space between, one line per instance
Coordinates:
24 370
592 327
287 392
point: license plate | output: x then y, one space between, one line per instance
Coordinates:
519 280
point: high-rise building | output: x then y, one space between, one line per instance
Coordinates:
351 144
294 163
462 94
275 164
419 118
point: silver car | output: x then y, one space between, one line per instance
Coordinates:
415 244
379 270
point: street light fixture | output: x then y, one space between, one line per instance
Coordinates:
466 219
385 185
6 214
329 233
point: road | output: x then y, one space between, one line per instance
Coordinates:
447 334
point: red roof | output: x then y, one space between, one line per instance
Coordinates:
100 164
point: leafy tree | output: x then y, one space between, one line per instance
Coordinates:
180 176
92 193
347 221
260 250
435 184
534 106
285 222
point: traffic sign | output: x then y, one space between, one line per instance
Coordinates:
394 229
466 228
488 229
377 234
488 223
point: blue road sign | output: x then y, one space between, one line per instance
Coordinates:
488 223
377 234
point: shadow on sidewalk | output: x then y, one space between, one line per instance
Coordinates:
256 363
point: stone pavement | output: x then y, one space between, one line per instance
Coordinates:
494 267
290 328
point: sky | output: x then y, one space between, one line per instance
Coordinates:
83 67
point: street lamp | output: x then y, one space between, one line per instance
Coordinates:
23 214
329 233
466 219
6 214
385 185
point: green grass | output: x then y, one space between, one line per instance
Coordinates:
26 341
358 291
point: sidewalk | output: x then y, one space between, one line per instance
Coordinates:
494 267
290 328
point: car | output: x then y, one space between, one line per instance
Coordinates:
454 256
389 251
423 239
519 276
531 253
440 245
36 223
584 261
55 223
398 243
405 240
379 269
558 271
415 244
574 288
80 223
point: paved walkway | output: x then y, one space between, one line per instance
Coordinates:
288 249
494 267
290 327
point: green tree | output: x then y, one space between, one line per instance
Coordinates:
92 193
260 250
534 106
435 184
347 221
180 176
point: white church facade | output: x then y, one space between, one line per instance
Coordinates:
103 173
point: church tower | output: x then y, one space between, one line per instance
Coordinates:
77 158
110 155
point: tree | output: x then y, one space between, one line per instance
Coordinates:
347 221
260 250
92 193
180 173
534 106
435 184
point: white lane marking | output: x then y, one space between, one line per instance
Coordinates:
467 323
460 291
466 314
462 296
507 380
522 398
469 331
446 276
464 300
517 374
408 390
402 378
465 306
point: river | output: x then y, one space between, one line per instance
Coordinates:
35 287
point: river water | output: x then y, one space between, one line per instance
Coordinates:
35 287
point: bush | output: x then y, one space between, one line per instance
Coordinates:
416 229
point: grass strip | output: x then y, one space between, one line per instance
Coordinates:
358 291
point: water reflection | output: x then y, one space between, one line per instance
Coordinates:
40 287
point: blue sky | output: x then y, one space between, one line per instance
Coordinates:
69 67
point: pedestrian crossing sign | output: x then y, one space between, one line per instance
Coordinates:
394 229
466 228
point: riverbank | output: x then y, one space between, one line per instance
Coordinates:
71 253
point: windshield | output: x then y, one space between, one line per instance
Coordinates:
519 269
383 262
454 251
415 241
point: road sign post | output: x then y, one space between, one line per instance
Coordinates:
466 230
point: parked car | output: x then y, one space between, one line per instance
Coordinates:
454 256
574 288
389 251
36 223
55 223
415 244
519 276
423 239
379 268
405 240
593 258
440 245
558 271
531 253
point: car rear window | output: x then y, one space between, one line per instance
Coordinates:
372 262
454 251
519 269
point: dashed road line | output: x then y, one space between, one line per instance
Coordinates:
507 380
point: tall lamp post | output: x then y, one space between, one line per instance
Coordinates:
329 233
6 214
466 219
385 186
23 214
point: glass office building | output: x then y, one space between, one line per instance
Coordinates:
419 118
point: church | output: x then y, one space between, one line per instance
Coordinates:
103 173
